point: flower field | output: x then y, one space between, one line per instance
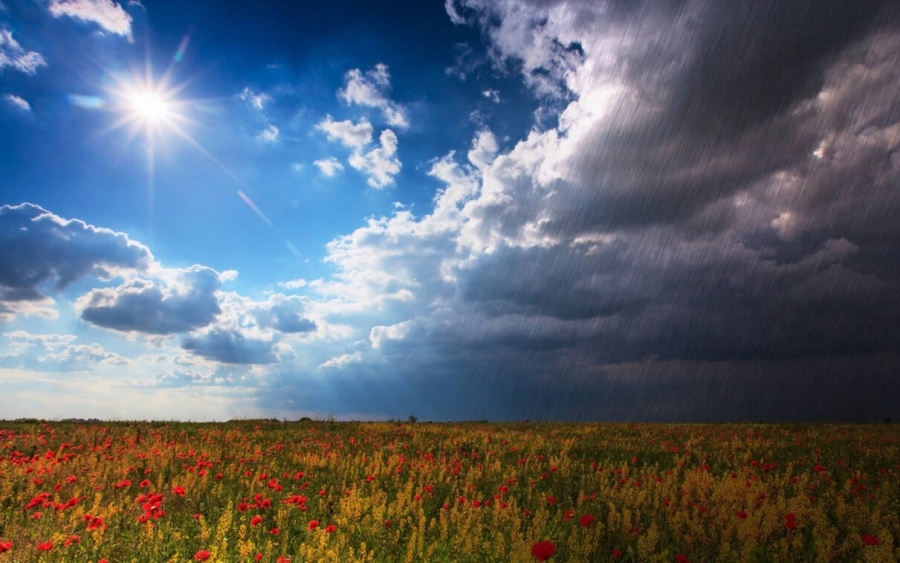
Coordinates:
324 491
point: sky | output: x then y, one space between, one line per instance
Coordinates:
452 209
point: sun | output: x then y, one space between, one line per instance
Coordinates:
149 106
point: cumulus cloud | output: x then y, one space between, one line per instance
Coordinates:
39 249
380 334
349 134
105 13
230 347
380 163
284 313
15 56
342 361
183 303
329 166
369 89
55 352
17 102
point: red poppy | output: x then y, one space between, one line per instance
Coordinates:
274 531
37 501
256 520
202 555
682 559
331 528
178 491
283 559
73 539
616 554
790 521
94 523
45 546
313 524
543 550
741 514
586 520
5 546
869 539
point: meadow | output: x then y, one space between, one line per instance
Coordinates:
283 492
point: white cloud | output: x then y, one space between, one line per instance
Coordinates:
269 134
256 99
379 334
18 102
380 163
54 352
13 55
492 95
451 10
109 15
329 166
352 135
368 89
342 361
294 284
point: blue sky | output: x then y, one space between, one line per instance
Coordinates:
466 209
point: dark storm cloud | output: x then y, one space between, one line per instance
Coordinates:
754 60
143 306
713 237
38 248
230 347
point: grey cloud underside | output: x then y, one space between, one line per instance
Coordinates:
144 307
285 315
38 248
230 347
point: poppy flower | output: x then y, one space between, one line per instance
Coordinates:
616 554
741 514
201 555
331 528
178 491
5 546
274 531
790 521
543 550
45 546
313 524
869 539
256 520
586 520
680 558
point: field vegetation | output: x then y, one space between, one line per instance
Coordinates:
276 492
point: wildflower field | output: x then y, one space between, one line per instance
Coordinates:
324 491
